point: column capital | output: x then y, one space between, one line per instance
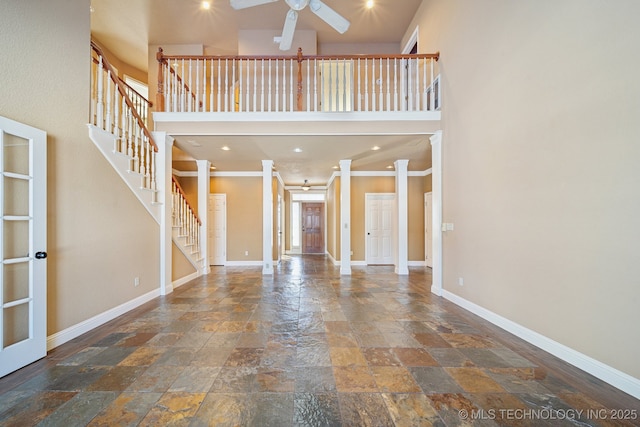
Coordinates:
345 164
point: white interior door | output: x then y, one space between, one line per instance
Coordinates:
23 231
428 229
217 238
379 227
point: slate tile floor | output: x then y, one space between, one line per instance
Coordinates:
305 347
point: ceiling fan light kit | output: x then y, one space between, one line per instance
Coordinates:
321 10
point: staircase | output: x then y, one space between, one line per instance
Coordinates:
119 129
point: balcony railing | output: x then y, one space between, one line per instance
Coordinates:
371 83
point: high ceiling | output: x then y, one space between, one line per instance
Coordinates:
128 27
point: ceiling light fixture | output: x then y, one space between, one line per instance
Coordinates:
205 5
225 148
375 148
369 4
297 150
305 186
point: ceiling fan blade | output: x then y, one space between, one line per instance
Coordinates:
288 30
329 16
243 4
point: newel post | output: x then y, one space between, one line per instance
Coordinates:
160 94
299 96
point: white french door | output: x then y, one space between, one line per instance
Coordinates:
23 231
379 226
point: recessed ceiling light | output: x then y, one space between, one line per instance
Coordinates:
298 150
389 167
369 4
212 167
205 5
336 167
226 148
375 148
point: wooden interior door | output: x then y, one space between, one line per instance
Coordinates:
313 228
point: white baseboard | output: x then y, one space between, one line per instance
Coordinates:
606 373
177 283
243 264
416 264
76 330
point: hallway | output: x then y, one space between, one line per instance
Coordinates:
304 347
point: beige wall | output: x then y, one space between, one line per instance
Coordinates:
415 212
99 235
541 101
180 265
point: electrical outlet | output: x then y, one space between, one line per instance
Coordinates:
136 281
460 281
246 253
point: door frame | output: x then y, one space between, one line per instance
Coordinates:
394 238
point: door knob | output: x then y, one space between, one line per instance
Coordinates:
41 255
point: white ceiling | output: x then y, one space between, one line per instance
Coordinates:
128 27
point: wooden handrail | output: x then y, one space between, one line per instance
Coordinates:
122 89
184 196
299 57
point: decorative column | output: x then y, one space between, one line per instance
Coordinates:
345 217
267 217
163 181
204 185
402 217
436 190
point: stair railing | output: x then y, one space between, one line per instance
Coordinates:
185 218
327 83
115 109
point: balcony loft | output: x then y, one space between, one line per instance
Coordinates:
302 95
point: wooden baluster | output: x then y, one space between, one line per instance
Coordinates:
308 83
315 84
388 86
255 85
381 95
292 87
154 183
234 103
409 85
374 82
417 84
240 86
107 124
262 85
277 78
396 76
366 85
431 81
226 85
248 89
284 85
116 121
100 99
299 93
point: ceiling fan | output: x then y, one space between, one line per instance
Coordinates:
323 11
